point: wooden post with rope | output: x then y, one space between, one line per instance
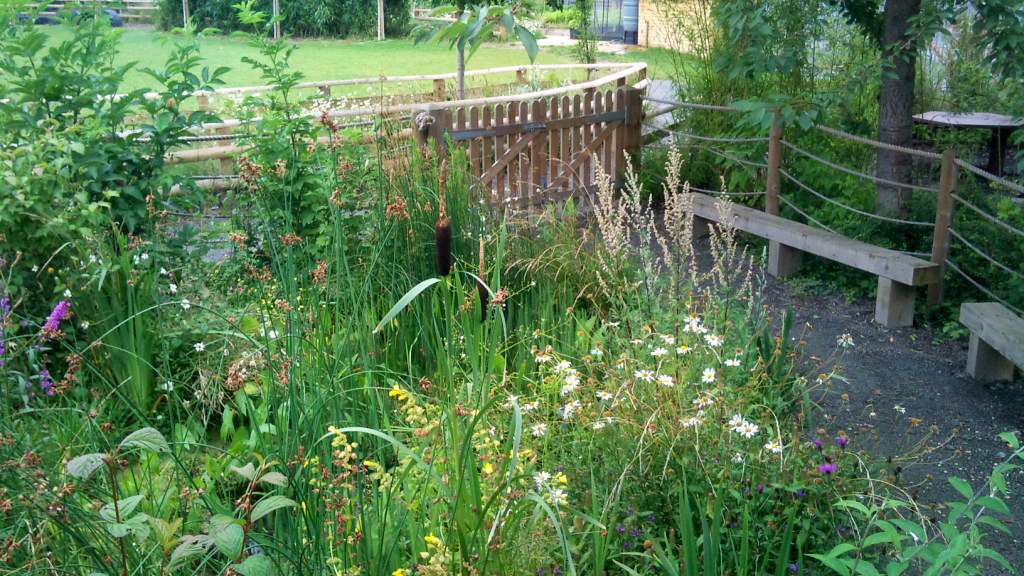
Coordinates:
943 220
782 260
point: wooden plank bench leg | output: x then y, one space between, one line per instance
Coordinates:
894 306
783 260
986 363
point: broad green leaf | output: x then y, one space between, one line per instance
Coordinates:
117 530
190 547
993 504
275 478
834 563
84 465
248 471
962 487
258 565
146 439
125 506
404 301
853 504
529 42
229 540
269 504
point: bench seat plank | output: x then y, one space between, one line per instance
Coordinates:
882 262
997 340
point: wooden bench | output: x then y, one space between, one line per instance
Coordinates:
997 340
898 273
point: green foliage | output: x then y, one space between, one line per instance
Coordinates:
582 20
345 18
473 25
70 160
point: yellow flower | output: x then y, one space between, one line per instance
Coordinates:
371 464
396 391
432 540
398 572
488 469
561 479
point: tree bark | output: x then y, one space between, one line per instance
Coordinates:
460 59
896 105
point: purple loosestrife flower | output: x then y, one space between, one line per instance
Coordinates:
46 382
60 312
5 322
827 468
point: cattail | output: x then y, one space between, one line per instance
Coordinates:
443 230
480 287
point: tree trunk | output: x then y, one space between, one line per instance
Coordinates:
460 58
460 72
896 105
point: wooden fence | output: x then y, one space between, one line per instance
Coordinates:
527 152
134 11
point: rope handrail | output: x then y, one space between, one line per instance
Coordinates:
984 290
851 208
989 176
978 251
988 216
724 193
853 172
711 107
877 144
785 201
730 157
706 138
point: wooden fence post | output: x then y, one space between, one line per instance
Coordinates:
633 106
324 91
439 90
943 220
782 260
431 124
773 182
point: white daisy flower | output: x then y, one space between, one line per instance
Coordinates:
645 375
735 422
713 339
668 339
733 362
684 349
604 396
708 376
199 346
748 430
539 429
541 478
542 358
569 388
659 352
666 381
773 447
845 341
598 424
530 406
186 304
691 422
563 367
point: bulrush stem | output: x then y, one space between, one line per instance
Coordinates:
117 514
443 228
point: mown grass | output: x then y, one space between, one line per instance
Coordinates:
329 59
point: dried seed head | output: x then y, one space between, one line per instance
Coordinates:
443 229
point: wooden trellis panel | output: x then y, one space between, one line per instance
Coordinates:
529 152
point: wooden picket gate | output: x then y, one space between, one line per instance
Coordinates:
541 150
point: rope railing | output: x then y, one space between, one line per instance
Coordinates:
981 253
814 192
710 107
988 216
877 144
704 138
720 154
810 218
952 265
990 176
853 172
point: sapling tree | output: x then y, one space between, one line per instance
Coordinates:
465 25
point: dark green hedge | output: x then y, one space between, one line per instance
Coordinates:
338 18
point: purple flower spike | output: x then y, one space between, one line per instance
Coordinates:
60 312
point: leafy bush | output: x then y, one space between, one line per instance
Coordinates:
346 18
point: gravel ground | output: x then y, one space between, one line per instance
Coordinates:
888 371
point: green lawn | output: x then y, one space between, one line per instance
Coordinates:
324 59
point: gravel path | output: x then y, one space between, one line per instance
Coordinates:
905 368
